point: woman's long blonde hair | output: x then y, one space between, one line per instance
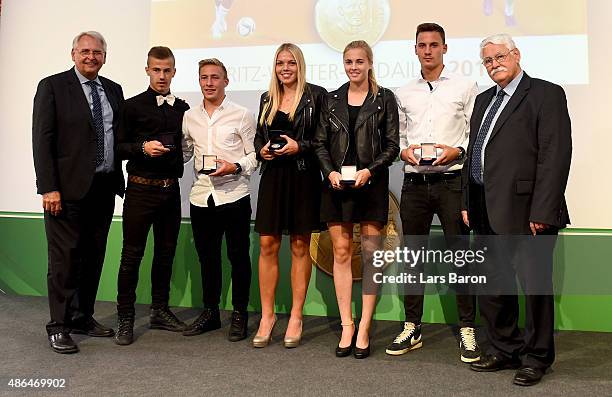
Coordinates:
372 84
275 92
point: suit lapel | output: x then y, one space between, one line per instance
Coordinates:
513 103
76 92
479 112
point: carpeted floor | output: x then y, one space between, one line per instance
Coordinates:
165 363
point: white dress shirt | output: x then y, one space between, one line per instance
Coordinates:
229 135
440 114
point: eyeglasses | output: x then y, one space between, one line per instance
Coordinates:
95 53
488 61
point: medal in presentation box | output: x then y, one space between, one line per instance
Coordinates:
168 139
276 142
428 154
348 174
209 164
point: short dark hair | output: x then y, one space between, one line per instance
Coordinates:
160 52
431 27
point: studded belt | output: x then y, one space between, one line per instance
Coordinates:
152 182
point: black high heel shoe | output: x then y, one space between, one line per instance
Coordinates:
361 353
346 351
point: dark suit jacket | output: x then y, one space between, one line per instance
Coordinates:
527 158
64 137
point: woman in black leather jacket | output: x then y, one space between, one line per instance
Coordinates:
290 185
359 128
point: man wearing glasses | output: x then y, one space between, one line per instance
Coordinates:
78 174
514 183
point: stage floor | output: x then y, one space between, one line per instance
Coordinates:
165 363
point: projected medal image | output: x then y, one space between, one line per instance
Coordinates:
339 22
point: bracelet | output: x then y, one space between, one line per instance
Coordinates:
143 149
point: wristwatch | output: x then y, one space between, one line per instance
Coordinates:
238 169
461 153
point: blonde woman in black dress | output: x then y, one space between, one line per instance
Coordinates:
290 186
358 127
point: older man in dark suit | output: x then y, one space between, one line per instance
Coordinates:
514 190
78 175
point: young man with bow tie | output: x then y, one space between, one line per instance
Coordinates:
149 137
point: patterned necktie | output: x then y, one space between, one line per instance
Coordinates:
98 122
482 134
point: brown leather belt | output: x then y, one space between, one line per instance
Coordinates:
152 182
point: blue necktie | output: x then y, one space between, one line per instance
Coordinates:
482 134
98 122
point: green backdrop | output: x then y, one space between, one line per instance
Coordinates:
23 268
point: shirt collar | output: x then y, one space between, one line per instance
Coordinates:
83 79
511 87
225 103
444 75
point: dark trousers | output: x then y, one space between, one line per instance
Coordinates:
76 240
535 347
147 206
421 199
209 224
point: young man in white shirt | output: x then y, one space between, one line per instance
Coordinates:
434 109
222 133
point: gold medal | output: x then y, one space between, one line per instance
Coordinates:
341 21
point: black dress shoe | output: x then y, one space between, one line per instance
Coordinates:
362 353
492 362
61 342
238 327
208 320
346 351
125 330
163 318
528 376
92 328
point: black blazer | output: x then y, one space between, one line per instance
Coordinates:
376 131
527 158
304 123
64 137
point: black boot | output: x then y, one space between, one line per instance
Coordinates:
238 327
125 330
163 318
208 320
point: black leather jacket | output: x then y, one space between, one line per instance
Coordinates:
376 131
305 124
